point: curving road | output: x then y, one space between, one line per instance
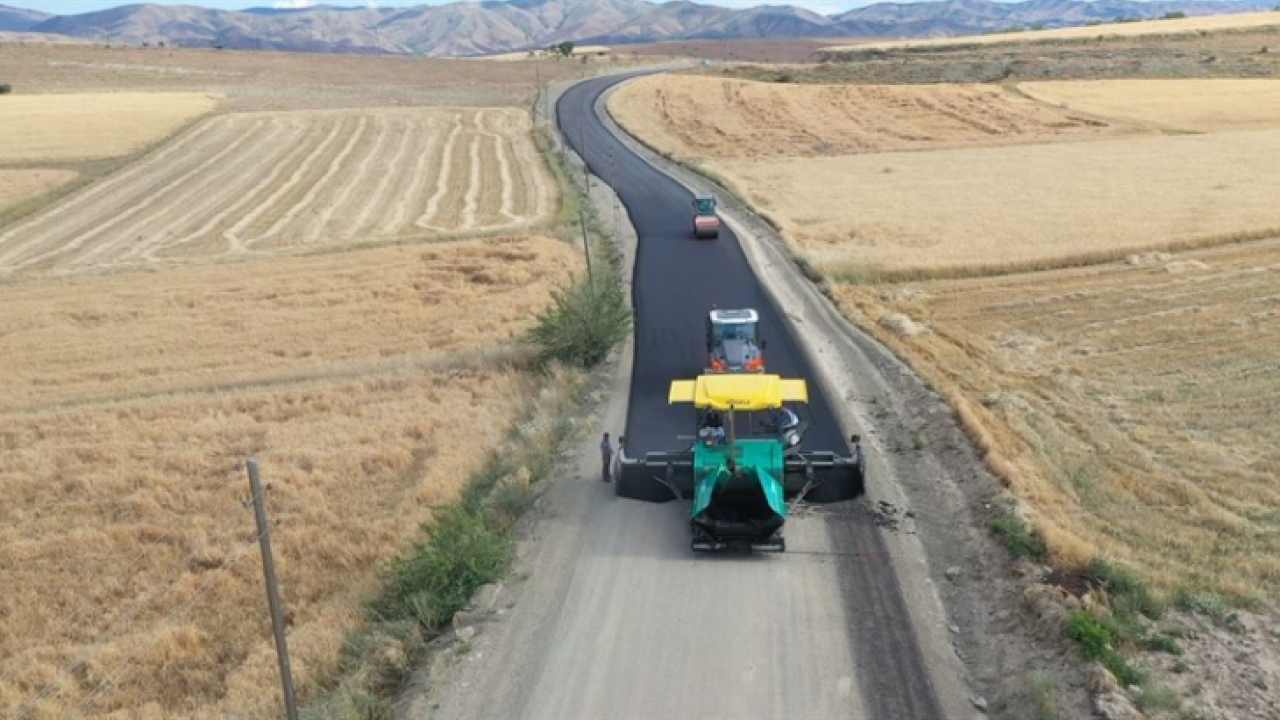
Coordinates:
619 619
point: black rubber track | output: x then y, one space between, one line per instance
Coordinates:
677 279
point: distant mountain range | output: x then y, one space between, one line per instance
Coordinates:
475 28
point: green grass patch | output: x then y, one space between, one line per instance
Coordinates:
462 548
1127 594
1097 643
1018 537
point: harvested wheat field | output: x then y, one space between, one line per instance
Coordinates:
1131 406
262 182
1176 26
35 127
19 185
1189 105
972 211
131 400
693 116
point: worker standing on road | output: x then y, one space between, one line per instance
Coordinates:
606 456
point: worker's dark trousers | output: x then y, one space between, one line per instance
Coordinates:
604 473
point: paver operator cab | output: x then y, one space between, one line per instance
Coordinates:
706 224
733 341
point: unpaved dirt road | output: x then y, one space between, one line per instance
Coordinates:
258 182
619 619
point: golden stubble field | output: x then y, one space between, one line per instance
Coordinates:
369 383
77 126
246 183
1183 105
1174 26
908 181
710 119
1130 406
19 185
973 211
279 80
330 272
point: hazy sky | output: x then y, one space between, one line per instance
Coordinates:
68 7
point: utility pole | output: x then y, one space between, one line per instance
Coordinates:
537 86
613 175
586 177
273 594
586 245
586 198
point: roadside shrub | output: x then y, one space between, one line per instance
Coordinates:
1174 15
5 88
586 320
1042 694
1096 644
1202 603
1020 538
1127 593
462 550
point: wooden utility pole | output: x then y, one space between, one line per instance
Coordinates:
586 246
273 594
537 87
586 177
586 198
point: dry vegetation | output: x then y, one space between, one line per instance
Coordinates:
1179 26
356 374
989 209
19 185
701 117
260 182
1219 104
131 400
1033 194
91 125
1131 405
279 81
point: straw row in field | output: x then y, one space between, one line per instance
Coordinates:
260 182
